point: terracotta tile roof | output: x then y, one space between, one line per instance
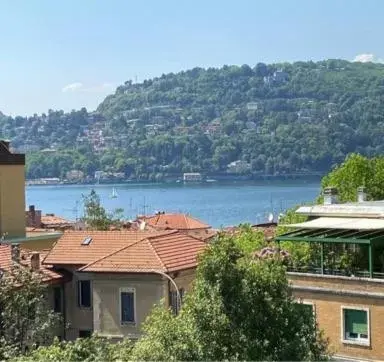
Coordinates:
50 220
174 221
166 253
203 234
68 250
49 275
31 229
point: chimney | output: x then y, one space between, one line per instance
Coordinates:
35 261
330 195
15 253
361 194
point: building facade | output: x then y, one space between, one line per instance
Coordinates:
345 285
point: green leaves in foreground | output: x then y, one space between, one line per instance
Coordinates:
240 309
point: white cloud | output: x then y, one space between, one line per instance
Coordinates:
72 87
98 88
367 57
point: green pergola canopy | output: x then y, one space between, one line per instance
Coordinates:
348 236
370 237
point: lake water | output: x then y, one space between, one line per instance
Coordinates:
218 204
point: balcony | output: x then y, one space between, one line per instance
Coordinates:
339 247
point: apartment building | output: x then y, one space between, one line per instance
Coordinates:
344 283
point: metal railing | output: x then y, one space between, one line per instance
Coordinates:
335 272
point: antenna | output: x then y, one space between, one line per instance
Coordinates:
144 207
75 210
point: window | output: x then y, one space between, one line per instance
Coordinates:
84 293
86 241
355 325
85 333
127 305
174 300
57 300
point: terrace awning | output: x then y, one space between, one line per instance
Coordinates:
341 223
338 230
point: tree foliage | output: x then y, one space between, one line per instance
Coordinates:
240 309
202 119
93 349
95 215
26 320
354 172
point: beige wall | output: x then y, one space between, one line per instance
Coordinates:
149 290
77 318
104 316
184 280
12 200
328 309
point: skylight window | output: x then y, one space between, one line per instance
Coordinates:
86 241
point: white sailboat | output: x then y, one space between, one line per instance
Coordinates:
114 194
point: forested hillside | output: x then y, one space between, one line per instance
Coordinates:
277 119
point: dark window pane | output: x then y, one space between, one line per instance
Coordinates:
127 307
85 333
57 300
85 293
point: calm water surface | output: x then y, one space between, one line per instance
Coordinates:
219 204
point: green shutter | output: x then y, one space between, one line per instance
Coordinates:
356 321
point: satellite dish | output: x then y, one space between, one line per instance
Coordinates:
142 226
270 217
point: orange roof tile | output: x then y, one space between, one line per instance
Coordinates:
52 220
69 250
174 221
167 252
49 275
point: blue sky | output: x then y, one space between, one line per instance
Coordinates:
72 53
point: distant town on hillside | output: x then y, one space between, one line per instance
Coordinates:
236 121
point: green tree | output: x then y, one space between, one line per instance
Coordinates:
240 309
26 320
95 215
354 172
82 349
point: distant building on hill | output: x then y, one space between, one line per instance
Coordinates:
192 177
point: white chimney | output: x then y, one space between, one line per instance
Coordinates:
330 196
361 194
35 261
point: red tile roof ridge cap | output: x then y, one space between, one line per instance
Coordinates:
161 234
165 269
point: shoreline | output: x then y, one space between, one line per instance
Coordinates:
211 180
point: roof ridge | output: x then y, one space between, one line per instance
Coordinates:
186 221
157 255
110 254
162 233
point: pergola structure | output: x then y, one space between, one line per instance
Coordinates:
327 230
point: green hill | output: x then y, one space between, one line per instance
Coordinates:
272 119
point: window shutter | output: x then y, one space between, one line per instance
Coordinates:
356 321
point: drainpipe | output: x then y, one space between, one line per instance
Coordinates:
172 281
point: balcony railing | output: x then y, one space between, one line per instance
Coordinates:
335 272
